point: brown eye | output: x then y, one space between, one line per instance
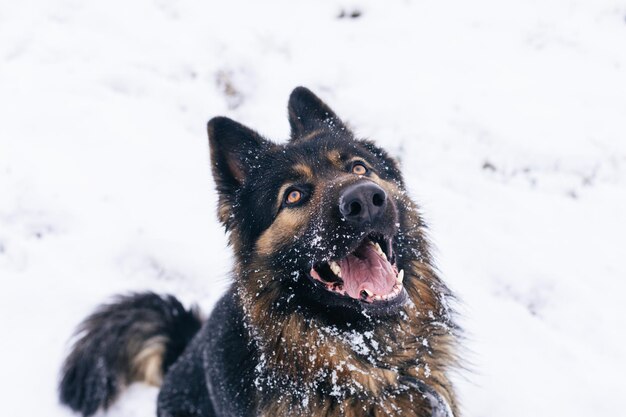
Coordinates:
293 197
359 169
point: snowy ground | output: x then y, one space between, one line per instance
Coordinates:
509 119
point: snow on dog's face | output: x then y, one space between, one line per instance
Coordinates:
321 222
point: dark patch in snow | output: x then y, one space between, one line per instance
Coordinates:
559 177
150 267
39 231
534 299
168 8
488 166
352 14
225 84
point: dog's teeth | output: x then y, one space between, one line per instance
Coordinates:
334 266
379 250
367 293
400 276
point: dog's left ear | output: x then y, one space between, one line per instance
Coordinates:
234 148
308 113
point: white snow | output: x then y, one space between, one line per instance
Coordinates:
509 119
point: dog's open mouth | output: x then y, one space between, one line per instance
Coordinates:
368 273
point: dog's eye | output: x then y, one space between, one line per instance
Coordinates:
359 169
293 197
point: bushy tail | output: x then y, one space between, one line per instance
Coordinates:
134 338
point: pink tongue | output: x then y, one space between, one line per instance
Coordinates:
367 271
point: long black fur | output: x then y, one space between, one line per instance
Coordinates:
100 361
215 375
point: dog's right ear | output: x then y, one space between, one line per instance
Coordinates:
233 149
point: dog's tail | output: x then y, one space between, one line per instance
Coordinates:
134 338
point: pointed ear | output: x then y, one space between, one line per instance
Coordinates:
233 149
307 113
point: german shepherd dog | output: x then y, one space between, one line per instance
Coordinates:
335 307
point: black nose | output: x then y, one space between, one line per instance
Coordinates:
363 203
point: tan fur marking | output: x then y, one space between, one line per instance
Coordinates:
147 364
311 135
358 158
223 211
335 158
287 225
304 170
281 194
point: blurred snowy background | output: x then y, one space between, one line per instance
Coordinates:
509 118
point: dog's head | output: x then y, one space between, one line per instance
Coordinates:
320 222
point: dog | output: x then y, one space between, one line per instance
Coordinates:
335 308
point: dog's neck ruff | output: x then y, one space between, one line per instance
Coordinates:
304 362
